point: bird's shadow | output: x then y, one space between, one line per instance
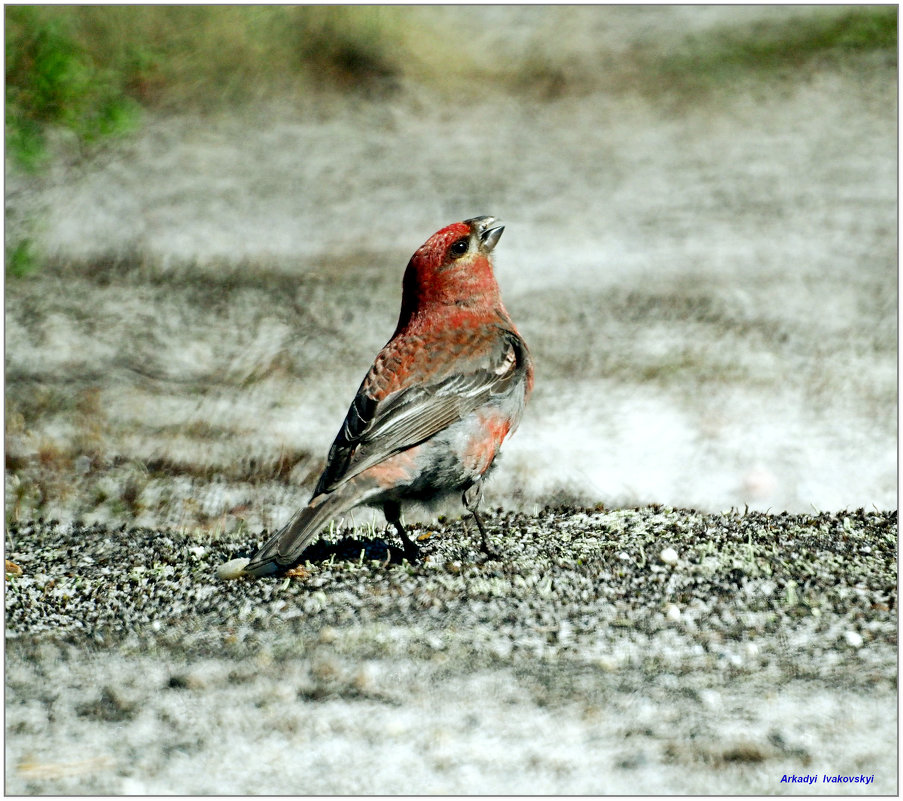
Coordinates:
349 549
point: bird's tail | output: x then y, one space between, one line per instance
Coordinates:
284 548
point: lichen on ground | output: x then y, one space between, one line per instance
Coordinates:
677 651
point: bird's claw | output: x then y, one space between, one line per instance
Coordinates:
491 553
412 553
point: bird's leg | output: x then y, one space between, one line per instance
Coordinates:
392 511
472 497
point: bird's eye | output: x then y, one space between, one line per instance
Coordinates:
459 248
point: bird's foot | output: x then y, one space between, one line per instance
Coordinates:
489 552
411 552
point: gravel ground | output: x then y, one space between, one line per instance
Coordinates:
649 650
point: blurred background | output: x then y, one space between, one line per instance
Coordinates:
209 210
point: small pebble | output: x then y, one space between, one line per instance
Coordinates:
328 634
711 699
297 572
366 679
669 556
232 570
853 638
607 663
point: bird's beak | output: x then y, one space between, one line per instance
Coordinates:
489 229
490 237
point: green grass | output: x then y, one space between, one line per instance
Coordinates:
22 259
770 47
52 81
90 70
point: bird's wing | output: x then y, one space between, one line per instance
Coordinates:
375 430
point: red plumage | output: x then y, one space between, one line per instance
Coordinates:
433 410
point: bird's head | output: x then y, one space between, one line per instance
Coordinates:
453 267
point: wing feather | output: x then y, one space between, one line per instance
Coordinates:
375 430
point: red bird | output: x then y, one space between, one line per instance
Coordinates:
435 407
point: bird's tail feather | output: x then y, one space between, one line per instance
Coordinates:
284 548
